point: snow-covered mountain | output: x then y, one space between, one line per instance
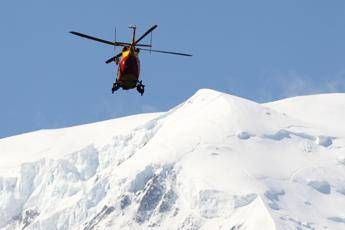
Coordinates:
214 162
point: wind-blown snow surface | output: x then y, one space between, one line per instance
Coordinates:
214 162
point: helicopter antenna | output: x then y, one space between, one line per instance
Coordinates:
115 39
134 28
151 42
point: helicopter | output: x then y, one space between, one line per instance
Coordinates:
128 62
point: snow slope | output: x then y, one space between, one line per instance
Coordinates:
326 111
214 162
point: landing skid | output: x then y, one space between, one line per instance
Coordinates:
140 87
116 86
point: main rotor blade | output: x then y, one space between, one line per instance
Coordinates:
145 34
105 41
100 40
113 58
167 52
143 45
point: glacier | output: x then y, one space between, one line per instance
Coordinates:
215 161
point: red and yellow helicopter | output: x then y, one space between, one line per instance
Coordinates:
128 59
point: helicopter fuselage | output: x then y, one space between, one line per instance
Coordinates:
129 69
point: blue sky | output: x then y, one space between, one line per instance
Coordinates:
260 50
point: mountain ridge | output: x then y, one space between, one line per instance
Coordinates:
214 161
